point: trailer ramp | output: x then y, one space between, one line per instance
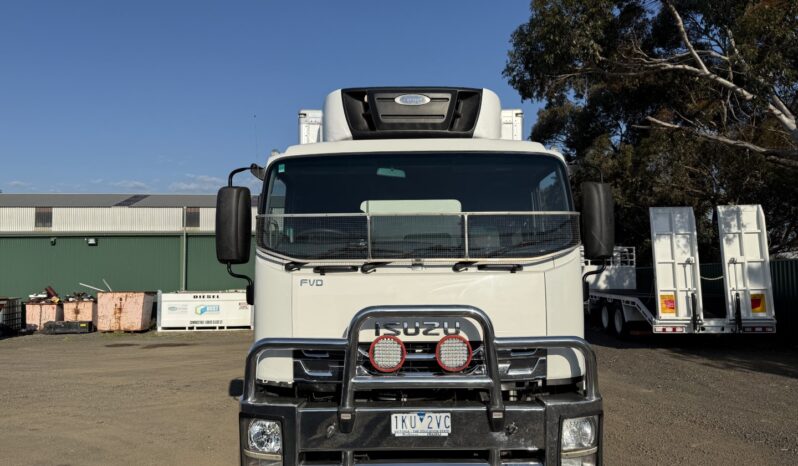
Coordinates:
674 246
746 268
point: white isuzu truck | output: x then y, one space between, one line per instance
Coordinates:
418 292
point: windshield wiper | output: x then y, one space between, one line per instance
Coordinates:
512 268
462 265
294 266
369 267
325 269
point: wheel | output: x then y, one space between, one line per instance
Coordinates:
605 318
620 325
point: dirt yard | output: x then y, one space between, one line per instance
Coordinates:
161 399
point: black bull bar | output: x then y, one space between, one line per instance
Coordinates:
351 382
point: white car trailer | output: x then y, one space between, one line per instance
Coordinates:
668 296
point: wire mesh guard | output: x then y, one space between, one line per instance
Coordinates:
423 236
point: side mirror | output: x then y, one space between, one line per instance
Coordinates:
236 388
598 221
233 225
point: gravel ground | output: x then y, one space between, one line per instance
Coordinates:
162 399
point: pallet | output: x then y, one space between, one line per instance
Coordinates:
68 327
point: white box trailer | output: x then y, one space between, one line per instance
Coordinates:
204 310
669 296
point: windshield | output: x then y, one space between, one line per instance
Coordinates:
438 205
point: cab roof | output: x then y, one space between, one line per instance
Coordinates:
416 145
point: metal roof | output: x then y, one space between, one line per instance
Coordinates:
109 200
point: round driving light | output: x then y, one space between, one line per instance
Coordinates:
387 353
265 436
453 353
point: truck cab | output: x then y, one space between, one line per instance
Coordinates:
418 291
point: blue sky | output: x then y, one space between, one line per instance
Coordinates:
160 96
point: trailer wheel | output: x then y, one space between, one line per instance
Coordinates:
606 317
620 325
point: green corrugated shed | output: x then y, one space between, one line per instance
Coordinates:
205 273
127 262
784 274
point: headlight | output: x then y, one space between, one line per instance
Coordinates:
265 436
453 353
387 353
579 433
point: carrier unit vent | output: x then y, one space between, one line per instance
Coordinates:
384 113
407 112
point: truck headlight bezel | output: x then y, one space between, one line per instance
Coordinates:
265 437
579 434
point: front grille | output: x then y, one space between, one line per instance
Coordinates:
527 457
420 360
326 367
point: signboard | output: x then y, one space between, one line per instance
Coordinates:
204 310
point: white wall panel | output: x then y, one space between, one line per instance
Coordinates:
207 219
117 219
109 220
17 219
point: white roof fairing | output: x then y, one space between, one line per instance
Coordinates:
415 145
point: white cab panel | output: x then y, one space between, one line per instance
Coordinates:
304 304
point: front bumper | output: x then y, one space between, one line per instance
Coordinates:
494 432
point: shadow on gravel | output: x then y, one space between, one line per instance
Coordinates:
166 345
756 353
151 346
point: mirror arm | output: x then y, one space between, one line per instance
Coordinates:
250 284
256 170
260 173
238 275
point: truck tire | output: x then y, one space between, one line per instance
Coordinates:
606 317
620 325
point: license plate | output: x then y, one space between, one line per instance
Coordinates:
421 424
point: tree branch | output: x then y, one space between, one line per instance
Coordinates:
685 39
778 156
775 106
